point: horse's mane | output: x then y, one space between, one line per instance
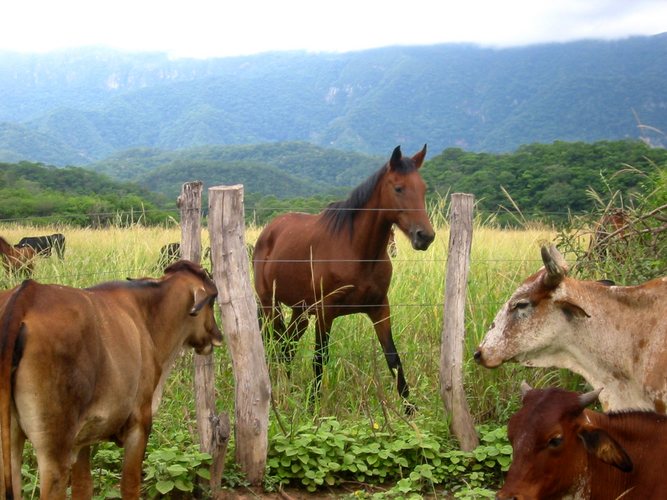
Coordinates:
341 214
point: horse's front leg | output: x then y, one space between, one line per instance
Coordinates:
380 317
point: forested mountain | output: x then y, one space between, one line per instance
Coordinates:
280 169
46 194
549 180
545 181
82 106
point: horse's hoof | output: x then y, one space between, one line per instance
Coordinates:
410 409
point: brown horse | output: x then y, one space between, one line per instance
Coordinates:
17 260
336 263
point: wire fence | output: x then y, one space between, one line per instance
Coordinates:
136 214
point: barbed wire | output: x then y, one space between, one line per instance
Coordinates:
137 213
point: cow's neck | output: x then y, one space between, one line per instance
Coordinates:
163 316
611 349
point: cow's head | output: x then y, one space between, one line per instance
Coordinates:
201 330
553 438
529 327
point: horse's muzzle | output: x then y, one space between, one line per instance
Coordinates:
422 239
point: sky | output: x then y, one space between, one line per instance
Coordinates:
221 28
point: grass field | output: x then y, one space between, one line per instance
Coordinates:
357 384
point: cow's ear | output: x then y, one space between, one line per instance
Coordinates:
201 298
597 442
571 309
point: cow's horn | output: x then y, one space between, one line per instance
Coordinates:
555 265
525 388
589 397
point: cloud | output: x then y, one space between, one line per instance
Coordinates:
214 28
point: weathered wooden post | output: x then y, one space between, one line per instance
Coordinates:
453 331
240 326
189 203
213 429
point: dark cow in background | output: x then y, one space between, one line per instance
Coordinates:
79 366
43 244
613 336
563 450
171 252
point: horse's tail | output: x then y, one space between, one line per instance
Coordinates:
11 329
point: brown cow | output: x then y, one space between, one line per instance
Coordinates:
613 336
17 260
79 366
563 450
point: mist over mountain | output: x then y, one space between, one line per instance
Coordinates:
81 106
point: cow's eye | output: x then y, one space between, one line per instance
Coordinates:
521 304
555 441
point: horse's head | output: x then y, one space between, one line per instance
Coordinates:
403 196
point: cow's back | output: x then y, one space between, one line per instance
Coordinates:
84 350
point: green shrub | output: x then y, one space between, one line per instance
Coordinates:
409 458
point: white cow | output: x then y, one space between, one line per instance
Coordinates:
613 336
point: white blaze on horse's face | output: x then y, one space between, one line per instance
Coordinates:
407 197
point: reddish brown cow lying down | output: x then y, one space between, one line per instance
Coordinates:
564 450
17 260
79 366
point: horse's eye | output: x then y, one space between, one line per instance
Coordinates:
521 304
399 189
555 441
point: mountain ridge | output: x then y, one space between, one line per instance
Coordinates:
79 107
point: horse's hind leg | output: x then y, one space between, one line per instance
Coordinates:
271 319
382 323
295 330
321 356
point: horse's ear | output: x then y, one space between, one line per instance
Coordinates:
395 161
419 157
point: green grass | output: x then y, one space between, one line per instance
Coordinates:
357 384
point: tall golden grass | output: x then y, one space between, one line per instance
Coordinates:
357 383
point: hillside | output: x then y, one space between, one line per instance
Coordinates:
546 179
46 194
91 104
280 169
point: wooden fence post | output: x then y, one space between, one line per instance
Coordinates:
189 203
213 429
240 326
453 331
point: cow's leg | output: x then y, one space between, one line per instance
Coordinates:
380 317
53 450
54 469
18 442
82 481
135 447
